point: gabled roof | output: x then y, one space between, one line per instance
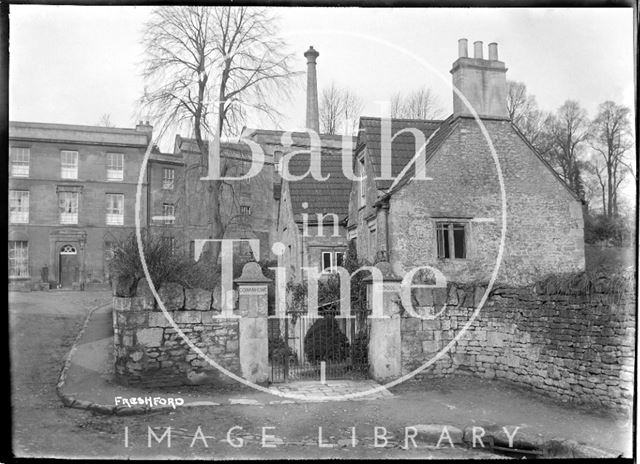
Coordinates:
433 142
329 196
444 130
403 146
545 162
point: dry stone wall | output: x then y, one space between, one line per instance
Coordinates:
573 348
149 351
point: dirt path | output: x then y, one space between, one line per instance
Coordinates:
43 327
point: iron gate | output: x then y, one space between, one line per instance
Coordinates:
300 347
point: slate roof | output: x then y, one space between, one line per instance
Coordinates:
329 196
403 147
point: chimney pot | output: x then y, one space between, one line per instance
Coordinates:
462 48
493 51
477 49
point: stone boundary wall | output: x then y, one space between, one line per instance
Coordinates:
149 352
573 348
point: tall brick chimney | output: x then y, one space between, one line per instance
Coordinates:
313 120
482 82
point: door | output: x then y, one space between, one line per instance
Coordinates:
69 268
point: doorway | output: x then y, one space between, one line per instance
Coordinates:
69 266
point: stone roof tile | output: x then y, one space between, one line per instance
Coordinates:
403 146
329 196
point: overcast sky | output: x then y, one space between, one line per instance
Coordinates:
71 64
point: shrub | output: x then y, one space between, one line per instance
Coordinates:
360 348
201 274
325 342
279 351
616 230
614 283
297 297
329 289
165 263
358 287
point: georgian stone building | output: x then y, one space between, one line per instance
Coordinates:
451 218
71 195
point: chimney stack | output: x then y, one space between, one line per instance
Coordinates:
313 120
482 82
145 127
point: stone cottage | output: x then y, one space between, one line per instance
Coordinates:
451 216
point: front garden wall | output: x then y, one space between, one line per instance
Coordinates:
573 348
149 351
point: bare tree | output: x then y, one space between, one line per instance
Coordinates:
595 182
611 141
395 105
340 108
524 113
564 137
205 68
353 105
419 104
331 107
517 100
105 121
